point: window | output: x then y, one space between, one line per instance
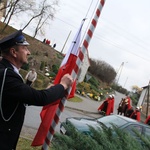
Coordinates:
132 128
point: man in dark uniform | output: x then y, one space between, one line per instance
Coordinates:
136 114
15 94
129 112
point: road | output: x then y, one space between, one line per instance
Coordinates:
88 108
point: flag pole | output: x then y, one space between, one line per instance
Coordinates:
74 73
74 48
87 39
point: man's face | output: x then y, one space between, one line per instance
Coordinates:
33 70
22 53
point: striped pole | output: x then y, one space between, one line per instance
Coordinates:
74 74
87 39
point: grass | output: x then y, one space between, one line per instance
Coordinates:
75 99
25 144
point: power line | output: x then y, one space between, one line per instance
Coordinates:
126 34
114 28
120 48
110 42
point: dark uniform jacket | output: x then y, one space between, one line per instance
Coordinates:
12 103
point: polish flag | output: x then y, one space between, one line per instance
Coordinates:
48 112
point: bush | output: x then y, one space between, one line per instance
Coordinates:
135 99
55 68
93 81
52 74
106 139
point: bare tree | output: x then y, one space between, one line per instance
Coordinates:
13 7
12 4
136 89
102 70
45 13
5 6
41 13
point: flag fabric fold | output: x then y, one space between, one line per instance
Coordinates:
48 112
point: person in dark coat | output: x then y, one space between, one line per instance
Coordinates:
15 94
119 109
136 114
147 121
54 45
129 112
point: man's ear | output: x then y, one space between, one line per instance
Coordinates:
13 52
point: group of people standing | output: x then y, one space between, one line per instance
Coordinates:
107 106
127 110
124 108
47 41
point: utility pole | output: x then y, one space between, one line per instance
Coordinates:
147 99
119 73
125 82
65 41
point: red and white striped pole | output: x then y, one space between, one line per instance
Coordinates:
87 39
74 74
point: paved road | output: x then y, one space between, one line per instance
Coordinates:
87 107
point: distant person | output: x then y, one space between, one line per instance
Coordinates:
31 77
44 41
128 100
112 103
147 121
48 42
110 106
129 112
125 106
54 45
120 106
136 114
15 93
105 107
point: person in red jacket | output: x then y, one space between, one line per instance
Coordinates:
105 106
112 103
147 121
128 100
136 114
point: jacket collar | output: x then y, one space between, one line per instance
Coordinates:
6 63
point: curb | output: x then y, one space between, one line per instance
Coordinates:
84 111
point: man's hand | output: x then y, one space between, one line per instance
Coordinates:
66 81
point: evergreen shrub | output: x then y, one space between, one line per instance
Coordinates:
99 139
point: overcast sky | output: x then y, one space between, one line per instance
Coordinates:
122 35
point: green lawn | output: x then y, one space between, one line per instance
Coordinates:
76 99
25 144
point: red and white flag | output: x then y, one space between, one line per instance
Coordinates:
48 112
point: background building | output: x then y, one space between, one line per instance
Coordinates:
144 100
